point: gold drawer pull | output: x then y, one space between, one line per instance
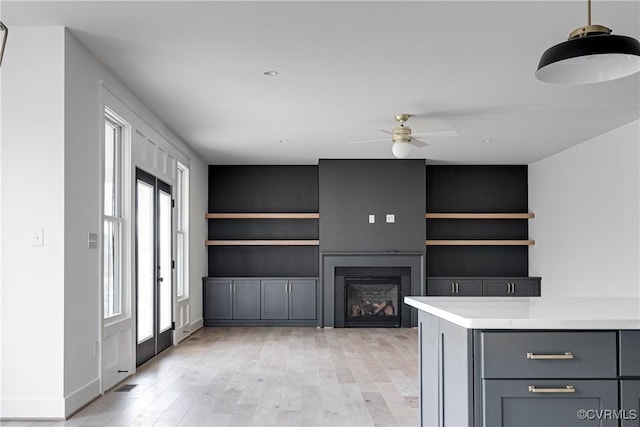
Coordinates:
567 389
565 356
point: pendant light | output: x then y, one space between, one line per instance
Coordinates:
591 55
5 34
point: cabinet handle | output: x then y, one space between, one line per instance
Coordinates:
453 288
457 288
289 287
234 287
565 356
230 285
567 389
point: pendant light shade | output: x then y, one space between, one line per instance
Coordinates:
590 59
591 55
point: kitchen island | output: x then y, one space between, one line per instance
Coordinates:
489 362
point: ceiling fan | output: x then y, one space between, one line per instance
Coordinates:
402 138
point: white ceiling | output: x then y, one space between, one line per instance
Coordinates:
346 68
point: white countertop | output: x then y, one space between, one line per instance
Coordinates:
533 312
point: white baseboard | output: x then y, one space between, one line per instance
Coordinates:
81 397
198 324
31 409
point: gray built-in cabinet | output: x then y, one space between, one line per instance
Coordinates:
227 299
518 378
493 287
288 299
253 301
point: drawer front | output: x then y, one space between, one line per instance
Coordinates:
511 287
630 353
543 354
454 287
544 403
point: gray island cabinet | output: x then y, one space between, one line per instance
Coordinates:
534 362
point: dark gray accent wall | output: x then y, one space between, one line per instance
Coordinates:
351 190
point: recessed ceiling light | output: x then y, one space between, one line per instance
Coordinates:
283 141
270 73
487 140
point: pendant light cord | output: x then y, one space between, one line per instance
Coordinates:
588 12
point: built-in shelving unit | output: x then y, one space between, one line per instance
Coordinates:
477 221
263 221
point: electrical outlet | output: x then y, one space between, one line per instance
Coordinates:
37 237
391 218
372 219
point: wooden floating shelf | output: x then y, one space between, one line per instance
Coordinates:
262 242
262 216
479 215
480 242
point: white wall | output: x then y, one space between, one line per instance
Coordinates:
51 178
587 226
198 229
32 168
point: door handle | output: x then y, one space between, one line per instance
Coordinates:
160 279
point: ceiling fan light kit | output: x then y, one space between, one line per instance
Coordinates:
591 55
401 149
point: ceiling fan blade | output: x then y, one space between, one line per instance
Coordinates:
388 132
367 140
438 134
418 143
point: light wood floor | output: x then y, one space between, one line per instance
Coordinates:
270 377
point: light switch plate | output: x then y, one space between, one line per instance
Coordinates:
372 219
391 218
92 241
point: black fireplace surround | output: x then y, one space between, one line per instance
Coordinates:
372 277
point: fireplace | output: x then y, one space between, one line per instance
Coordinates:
372 301
371 297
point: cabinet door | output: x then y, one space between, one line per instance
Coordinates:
446 373
513 403
454 287
302 299
246 299
456 370
217 299
630 402
630 353
275 299
511 288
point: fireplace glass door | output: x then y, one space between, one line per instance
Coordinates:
372 302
